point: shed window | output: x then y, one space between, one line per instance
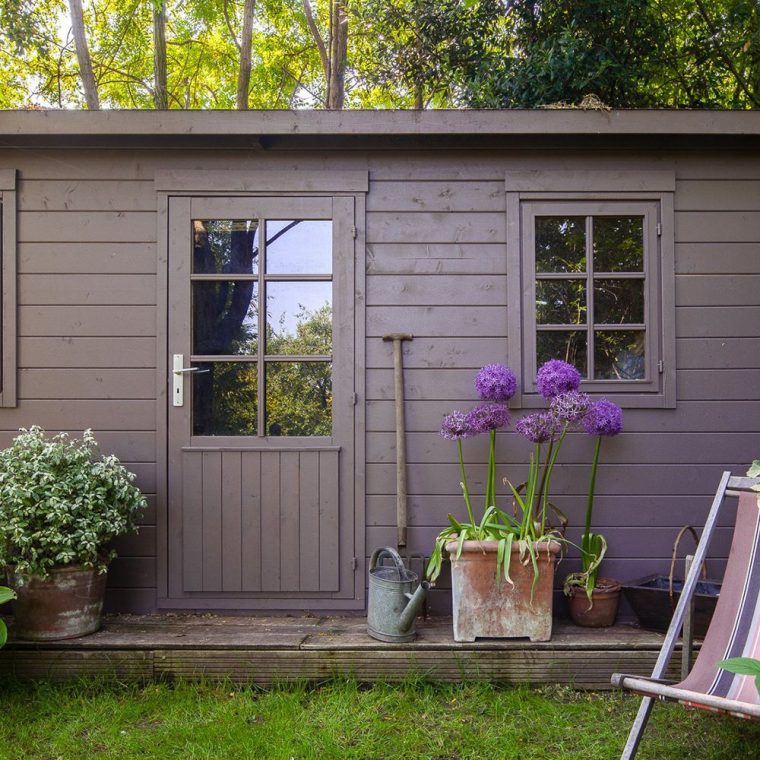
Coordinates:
591 292
8 287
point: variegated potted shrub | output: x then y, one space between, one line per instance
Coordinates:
60 507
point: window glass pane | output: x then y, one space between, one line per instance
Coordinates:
568 345
560 243
298 246
299 398
225 246
619 355
618 302
618 243
299 318
225 317
224 399
560 302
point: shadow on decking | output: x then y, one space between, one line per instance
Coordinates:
265 650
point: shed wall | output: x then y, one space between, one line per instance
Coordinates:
436 267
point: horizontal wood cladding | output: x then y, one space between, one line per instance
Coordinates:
424 290
119 415
435 227
476 321
86 226
87 321
86 195
87 383
86 258
718 195
717 258
436 258
86 289
436 196
87 352
690 416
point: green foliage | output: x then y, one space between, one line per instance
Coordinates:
754 472
6 595
743 666
60 505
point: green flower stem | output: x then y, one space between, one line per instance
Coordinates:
465 489
547 477
590 505
491 477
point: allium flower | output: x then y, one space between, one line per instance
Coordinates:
557 377
456 426
538 427
496 382
603 418
571 406
487 417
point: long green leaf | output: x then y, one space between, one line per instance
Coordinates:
6 594
743 666
3 634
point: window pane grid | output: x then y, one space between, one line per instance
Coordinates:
598 358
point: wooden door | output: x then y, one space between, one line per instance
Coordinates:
261 403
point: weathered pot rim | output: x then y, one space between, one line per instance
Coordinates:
491 547
55 570
604 587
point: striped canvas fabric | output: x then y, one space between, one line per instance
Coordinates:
735 627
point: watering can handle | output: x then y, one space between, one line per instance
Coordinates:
378 554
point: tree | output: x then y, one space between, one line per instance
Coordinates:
160 89
246 42
83 55
333 54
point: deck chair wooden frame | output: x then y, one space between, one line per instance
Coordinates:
656 687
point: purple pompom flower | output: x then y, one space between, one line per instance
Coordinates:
603 418
538 427
557 377
571 406
456 426
496 382
487 417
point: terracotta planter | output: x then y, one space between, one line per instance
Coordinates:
484 608
605 597
66 604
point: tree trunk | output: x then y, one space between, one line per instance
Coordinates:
336 87
83 56
246 44
160 90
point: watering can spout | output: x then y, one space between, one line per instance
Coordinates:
406 621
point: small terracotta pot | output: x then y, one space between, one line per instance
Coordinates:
603 610
66 604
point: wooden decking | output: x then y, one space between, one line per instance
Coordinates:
265 650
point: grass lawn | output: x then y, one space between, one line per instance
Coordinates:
347 720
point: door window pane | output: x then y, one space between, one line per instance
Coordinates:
619 243
225 317
225 246
561 244
299 318
299 246
568 345
298 398
618 302
224 399
560 302
619 355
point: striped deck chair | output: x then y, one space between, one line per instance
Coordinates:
734 630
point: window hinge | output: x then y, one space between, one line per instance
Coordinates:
354 563
659 229
353 232
661 366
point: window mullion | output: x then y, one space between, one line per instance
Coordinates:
589 298
262 320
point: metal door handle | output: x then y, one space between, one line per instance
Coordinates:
178 378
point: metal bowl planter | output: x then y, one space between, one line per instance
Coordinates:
66 604
484 607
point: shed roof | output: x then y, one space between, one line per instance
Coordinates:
348 128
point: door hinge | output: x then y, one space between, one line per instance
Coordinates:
354 398
354 232
354 563
661 366
659 229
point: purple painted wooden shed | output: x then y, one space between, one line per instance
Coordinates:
138 244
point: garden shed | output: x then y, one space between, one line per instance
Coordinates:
137 248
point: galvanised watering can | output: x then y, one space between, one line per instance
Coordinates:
392 605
